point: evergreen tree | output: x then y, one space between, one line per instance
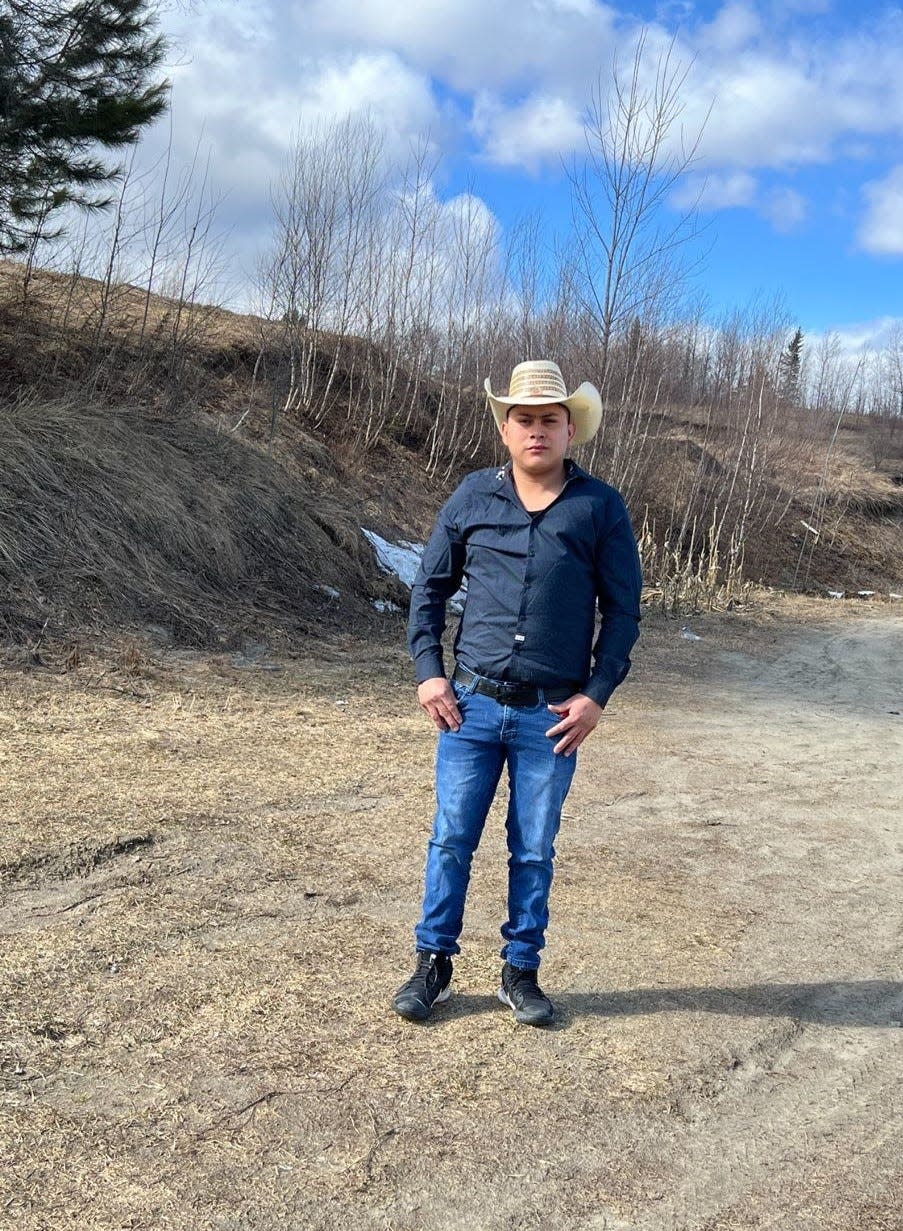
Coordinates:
74 76
789 367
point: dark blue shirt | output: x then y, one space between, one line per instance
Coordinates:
533 583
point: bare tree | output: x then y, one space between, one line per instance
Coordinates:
637 152
316 280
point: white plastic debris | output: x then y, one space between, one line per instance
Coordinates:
865 593
402 560
384 605
330 590
836 593
892 595
689 635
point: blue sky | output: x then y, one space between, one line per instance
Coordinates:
799 174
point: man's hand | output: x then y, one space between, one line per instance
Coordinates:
438 700
579 715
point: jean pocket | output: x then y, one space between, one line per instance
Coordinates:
462 691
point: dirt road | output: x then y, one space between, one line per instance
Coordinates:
210 871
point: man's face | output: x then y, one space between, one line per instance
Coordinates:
537 437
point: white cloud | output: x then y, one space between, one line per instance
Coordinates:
583 8
673 12
515 76
541 128
716 191
861 338
781 8
881 230
472 212
784 208
766 113
250 73
787 90
733 26
397 99
478 44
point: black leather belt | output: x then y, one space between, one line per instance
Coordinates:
512 693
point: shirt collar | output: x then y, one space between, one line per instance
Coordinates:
573 471
504 484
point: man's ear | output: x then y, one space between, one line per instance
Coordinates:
572 428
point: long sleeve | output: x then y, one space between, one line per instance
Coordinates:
438 577
619 584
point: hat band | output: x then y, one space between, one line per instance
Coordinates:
527 387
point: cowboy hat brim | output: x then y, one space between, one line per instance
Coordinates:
584 403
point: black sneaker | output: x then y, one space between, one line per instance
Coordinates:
521 992
428 985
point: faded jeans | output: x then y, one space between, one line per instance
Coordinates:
468 767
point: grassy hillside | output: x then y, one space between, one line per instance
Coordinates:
151 474
128 496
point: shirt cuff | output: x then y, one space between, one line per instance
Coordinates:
599 688
428 667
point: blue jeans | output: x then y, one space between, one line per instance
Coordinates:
468 767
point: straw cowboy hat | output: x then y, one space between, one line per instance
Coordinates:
538 382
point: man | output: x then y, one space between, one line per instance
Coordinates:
541 543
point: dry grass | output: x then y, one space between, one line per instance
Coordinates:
111 515
209 875
694 576
139 502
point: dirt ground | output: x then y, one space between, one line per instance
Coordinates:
211 868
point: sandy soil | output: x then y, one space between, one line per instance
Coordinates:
211 869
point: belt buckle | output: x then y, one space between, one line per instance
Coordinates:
520 694
508 690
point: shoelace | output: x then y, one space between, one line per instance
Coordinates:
425 962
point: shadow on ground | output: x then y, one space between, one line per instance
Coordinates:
871 1002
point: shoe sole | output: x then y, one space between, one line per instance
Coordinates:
518 1016
422 1017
